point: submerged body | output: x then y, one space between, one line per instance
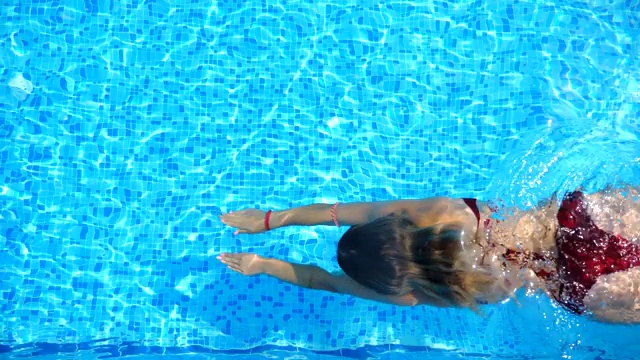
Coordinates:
584 252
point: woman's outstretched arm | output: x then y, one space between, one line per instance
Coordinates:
308 276
255 221
295 274
321 214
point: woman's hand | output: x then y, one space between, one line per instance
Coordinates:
244 263
248 221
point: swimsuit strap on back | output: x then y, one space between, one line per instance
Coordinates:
473 205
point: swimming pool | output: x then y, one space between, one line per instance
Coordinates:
126 128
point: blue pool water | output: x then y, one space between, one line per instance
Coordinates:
127 127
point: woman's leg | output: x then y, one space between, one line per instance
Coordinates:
615 298
617 211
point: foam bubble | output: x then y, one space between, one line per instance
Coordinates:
20 87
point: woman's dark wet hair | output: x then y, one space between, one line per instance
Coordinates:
393 256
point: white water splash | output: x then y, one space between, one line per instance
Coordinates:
20 87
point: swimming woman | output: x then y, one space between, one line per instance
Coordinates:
583 252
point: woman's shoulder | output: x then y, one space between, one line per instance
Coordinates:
446 210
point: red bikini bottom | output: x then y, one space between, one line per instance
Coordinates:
586 252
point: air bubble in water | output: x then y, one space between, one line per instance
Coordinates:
20 87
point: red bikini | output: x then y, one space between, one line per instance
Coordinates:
585 252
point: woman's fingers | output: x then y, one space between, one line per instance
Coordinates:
227 220
233 261
236 269
244 263
228 259
243 223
